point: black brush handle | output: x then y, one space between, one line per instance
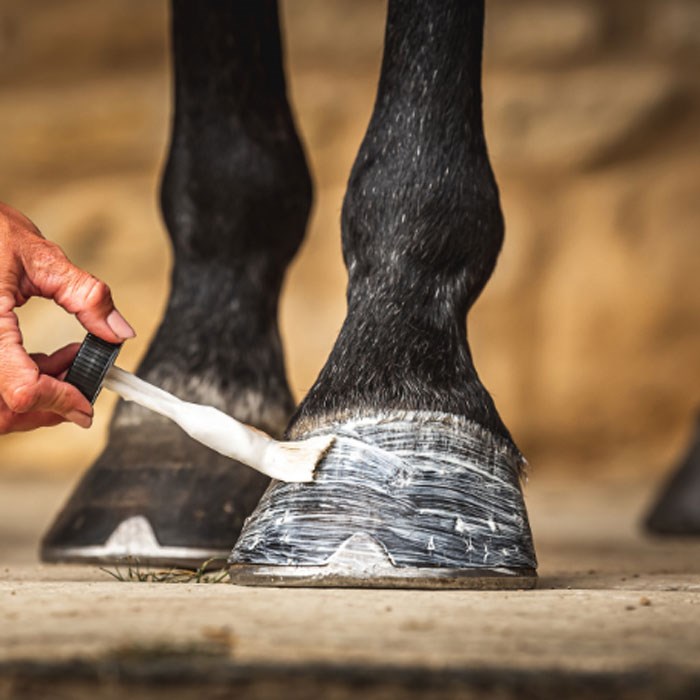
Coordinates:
91 364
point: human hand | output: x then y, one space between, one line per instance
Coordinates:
32 394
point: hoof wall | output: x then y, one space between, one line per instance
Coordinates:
362 563
415 500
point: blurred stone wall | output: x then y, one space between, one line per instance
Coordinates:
588 335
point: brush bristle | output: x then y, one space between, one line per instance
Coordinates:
297 461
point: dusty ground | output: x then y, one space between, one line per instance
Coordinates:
615 615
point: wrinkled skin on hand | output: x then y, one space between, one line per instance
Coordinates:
32 394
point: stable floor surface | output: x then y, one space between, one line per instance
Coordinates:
616 614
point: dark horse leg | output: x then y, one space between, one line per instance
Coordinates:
236 195
677 508
422 485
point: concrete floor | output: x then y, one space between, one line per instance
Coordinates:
615 615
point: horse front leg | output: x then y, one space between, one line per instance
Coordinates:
422 486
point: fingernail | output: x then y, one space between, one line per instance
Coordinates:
119 326
79 418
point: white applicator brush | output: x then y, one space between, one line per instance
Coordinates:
93 367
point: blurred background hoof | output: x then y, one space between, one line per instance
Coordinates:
677 511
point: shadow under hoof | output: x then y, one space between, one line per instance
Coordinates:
677 510
156 497
415 499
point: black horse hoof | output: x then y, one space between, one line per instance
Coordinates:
406 500
155 497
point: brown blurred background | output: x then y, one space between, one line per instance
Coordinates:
588 335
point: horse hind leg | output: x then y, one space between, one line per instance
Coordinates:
235 196
422 486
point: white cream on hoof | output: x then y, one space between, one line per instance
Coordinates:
403 499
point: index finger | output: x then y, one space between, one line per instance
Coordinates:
51 274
